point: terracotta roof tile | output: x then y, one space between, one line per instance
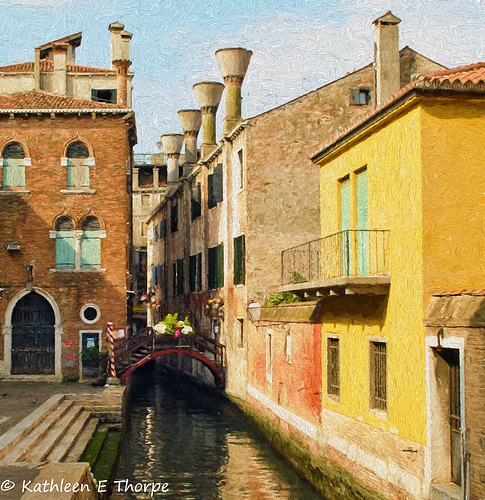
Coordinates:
48 65
42 100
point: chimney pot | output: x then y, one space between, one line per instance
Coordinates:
191 120
233 63
208 95
172 144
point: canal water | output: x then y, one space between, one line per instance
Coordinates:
198 446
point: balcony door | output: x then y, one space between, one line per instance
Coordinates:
345 226
362 216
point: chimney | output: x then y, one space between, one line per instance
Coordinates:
116 42
208 95
233 64
120 61
122 81
386 56
37 69
59 76
172 144
191 120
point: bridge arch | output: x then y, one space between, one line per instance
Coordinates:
211 365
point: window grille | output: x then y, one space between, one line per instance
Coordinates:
379 375
333 367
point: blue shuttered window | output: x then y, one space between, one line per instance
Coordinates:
90 250
65 250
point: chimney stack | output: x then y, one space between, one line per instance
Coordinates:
208 95
233 64
59 55
386 55
120 61
172 144
191 120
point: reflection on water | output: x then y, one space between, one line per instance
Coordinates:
198 445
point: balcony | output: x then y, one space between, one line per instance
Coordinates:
349 262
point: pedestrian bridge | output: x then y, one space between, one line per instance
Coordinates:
145 346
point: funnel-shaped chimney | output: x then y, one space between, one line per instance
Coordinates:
387 63
233 64
208 95
191 120
172 144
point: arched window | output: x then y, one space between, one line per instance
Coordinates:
65 244
78 163
91 243
14 163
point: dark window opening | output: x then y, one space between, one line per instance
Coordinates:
145 177
174 218
162 175
90 313
103 95
216 267
78 150
178 277
195 202
91 224
195 272
214 181
64 224
13 151
360 97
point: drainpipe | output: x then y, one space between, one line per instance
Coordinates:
191 120
233 64
172 144
208 95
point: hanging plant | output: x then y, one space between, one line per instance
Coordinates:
171 325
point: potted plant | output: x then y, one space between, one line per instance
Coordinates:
171 325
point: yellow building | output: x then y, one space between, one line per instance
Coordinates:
402 218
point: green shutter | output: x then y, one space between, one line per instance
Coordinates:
90 250
65 250
13 173
345 226
220 265
212 268
217 183
239 260
84 173
362 216
192 272
211 203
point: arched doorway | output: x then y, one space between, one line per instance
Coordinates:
33 336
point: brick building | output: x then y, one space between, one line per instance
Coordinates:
65 227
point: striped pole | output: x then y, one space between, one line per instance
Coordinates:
112 369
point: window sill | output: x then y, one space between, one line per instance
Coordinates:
77 270
382 414
13 192
78 191
333 399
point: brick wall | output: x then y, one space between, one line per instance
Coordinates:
28 218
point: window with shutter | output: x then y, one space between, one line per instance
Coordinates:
212 267
65 244
180 276
78 163
220 265
174 218
195 202
14 163
91 244
193 273
239 260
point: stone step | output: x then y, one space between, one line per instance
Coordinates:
54 435
14 435
60 451
37 432
446 491
82 441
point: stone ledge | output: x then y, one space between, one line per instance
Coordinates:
297 312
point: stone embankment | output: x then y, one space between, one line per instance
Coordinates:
40 453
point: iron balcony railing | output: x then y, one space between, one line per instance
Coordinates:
149 159
349 253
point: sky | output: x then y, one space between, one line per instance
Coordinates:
297 45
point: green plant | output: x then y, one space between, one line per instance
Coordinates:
171 325
281 298
90 356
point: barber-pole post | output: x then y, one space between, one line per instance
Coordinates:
112 379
